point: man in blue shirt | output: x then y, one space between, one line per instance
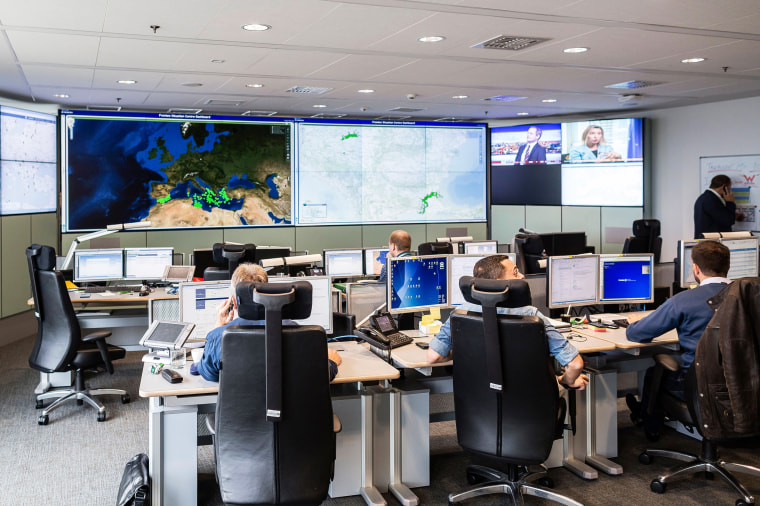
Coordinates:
501 267
688 313
399 244
226 315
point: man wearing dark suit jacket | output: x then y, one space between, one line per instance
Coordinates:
531 152
715 209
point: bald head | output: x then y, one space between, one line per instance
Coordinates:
399 242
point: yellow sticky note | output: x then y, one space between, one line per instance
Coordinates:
426 319
435 312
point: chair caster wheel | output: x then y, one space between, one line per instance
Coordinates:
645 458
43 420
545 482
657 486
38 404
125 399
80 402
101 417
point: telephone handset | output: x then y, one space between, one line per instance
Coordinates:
374 337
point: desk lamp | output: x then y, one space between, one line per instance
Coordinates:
110 229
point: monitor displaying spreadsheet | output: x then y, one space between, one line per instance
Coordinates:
198 303
572 280
146 263
98 265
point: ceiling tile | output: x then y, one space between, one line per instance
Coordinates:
35 47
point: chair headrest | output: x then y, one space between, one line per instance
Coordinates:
532 244
220 252
43 257
645 228
435 248
495 292
299 309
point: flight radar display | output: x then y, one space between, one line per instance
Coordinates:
385 172
175 170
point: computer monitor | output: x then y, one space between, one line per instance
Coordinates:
685 270
321 303
627 279
198 302
146 263
744 257
572 280
203 258
374 260
417 283
564 243
459 266
98 265
480 247
344 262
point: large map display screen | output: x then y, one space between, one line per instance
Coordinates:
27 162
386 172
174 170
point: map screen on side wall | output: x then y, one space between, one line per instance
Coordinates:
174 170
27 162
387 172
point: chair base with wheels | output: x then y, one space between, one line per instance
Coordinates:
708 461
516 482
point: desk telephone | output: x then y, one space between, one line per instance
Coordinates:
383 332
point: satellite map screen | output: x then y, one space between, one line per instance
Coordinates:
174 170
390 171
27 162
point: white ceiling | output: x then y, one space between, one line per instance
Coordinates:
83 48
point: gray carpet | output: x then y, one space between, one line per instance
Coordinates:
77 461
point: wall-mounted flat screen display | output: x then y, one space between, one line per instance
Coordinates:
28 158
389 172
174 170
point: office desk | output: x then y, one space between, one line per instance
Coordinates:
173 426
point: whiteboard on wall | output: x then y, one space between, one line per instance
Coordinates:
744 171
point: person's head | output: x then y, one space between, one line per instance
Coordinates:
720 181
710 259
593 135
534 133
496 267
246 272
398 242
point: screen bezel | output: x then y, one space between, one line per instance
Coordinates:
412 309
631 257
337 252
550 302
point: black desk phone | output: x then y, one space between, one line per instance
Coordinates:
384 332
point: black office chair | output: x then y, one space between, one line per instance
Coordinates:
506 395
228 257
530 254
274 441
435 248
646 239
60 346
343 324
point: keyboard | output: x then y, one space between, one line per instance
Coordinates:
621 323
399 339
112 288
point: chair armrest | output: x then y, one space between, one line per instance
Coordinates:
99 338
667 361
96 336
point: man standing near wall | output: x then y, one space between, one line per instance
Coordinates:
715 209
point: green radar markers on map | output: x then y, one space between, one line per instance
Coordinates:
350 135
210 198
424 205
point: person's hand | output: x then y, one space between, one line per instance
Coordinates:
728 195
333 355
739 216
579 384
225 312
609 157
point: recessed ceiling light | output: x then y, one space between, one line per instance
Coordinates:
460 96
549 100
254 85
693 60
192 85
127 81
319 106
523 113
255 27
365 91
61 95
217 60
431 38
575 50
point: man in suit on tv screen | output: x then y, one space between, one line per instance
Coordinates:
531 152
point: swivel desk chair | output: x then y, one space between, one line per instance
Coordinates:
531 256
274 435
435 248
228 257
60 346
505 392
646 239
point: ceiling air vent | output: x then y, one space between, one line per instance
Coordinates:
104 108
180 110
405 109
510 42
392 118
259 113
634 85
503 98
311 90
329 116
217 101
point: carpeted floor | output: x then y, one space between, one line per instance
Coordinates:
77 461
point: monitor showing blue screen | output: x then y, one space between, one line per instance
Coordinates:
626 278
146 263
417 283
344 262
98 265
374 260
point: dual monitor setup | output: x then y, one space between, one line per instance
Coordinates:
744 258
128 264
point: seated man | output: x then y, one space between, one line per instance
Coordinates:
399 244
501 267
226 315
688 313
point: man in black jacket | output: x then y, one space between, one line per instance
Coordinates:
715 209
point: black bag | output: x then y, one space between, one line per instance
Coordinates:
135 483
